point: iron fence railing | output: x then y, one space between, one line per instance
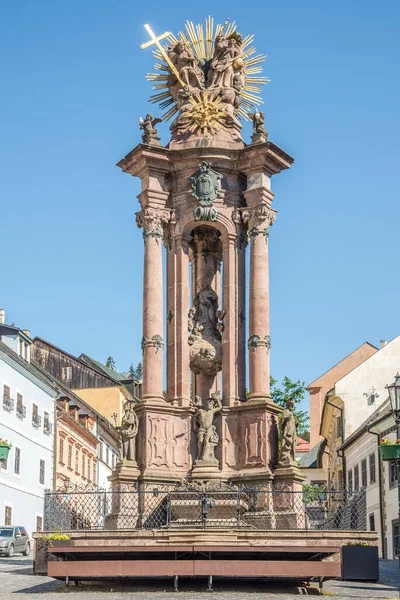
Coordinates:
193 507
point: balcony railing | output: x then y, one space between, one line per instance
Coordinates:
8 403
47 428
21 411
36 421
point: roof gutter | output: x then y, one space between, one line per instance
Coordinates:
381 499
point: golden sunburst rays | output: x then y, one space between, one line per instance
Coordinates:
207 114
201 39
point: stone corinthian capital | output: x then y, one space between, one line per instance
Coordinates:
259 219
153 221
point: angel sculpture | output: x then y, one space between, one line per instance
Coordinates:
258 119
150 134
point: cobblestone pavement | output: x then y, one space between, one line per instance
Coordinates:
17 582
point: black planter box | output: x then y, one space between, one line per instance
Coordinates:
360 563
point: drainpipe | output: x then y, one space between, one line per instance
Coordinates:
342 436
380 493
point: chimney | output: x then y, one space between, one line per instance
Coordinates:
382 343
27 332
2 315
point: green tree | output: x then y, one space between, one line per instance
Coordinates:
138 372
297 391
110 363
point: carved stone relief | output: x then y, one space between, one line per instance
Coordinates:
205 184
254 440
205 325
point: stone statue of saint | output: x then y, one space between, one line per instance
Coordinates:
288 434
207 436
227 52
150 134
127 433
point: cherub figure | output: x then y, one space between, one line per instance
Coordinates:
150 134
259 132
258 121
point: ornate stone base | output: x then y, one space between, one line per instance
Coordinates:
125 472
205 470
290 477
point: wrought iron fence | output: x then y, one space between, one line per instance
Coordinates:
194 507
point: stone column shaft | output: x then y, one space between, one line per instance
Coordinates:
182 290
230 355
259 218
152 221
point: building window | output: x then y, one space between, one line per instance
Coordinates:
83 465
76 461
107 455
61 450
7 515
17 461
70 456
392 473
350 479
39 523
338 427
67 373
8 402
94 473
101 451
372 522
21 348
396 534
26 351
36 418
47 427
356 478
41 471
21 409
364 473
372 473
88 468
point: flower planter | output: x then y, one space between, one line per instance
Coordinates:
360 563
4 451
390 452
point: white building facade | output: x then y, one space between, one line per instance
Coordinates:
365 469
27 421
360 415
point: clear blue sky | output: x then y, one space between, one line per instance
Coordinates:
73 87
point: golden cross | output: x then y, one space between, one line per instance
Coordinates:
156 40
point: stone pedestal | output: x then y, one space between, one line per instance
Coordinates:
205 470
205 233
124 509
288 506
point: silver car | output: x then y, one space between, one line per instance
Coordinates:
14 539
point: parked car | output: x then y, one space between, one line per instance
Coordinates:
14 539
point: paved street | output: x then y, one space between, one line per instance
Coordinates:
18 583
